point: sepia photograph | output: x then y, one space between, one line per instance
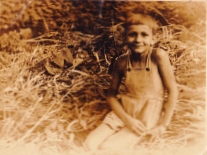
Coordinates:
103 77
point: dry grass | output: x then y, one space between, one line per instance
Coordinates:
45 112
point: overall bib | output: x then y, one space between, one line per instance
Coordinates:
144 97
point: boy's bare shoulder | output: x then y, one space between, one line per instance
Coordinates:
159 55
121 62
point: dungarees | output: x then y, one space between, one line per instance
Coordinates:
144 95
143 101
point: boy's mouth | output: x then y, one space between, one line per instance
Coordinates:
138 45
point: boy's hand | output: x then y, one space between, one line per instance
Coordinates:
160 129
135 126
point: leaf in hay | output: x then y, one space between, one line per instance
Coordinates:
58 59
77 61
67 55
52 70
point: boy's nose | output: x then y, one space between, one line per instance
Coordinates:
138 38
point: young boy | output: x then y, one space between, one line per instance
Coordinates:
147 74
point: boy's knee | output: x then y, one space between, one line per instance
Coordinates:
105 146
110 146
90 145
97 137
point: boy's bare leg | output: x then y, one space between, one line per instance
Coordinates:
123 139
97 136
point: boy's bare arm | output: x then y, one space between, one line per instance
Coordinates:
167 75
118 73
133 124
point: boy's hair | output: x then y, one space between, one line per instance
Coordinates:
141 19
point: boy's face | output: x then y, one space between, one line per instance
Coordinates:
139 38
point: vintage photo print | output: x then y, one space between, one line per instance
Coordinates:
102 77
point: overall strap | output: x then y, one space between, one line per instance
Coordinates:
129 65
147 63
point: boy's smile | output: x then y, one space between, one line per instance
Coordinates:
139 38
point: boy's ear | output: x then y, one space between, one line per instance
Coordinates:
153 40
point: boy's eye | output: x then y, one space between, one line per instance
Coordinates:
132 34
145 34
